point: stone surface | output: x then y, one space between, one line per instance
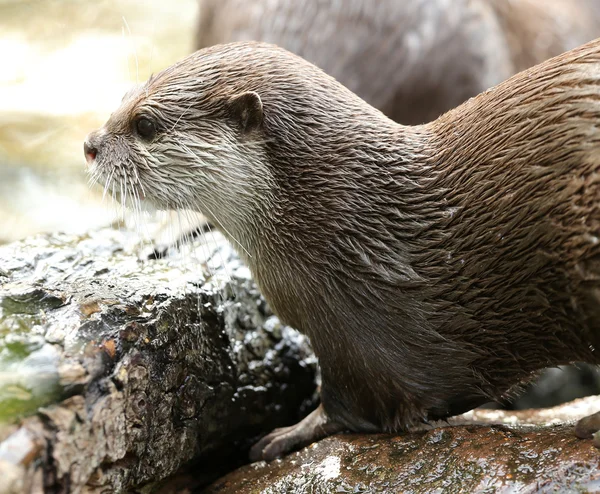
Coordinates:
520 452
117 370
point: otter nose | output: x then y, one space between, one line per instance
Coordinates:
90 151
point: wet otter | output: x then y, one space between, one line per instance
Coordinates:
434 267
411 59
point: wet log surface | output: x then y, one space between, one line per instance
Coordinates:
485 451
116 371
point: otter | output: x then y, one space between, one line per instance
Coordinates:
411 59
434 267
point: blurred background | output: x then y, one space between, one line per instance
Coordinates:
65 67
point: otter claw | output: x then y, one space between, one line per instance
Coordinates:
274 445
285 439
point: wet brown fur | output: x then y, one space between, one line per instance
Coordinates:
434 267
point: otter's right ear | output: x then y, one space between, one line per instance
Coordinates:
247 110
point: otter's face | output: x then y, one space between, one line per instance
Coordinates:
181 147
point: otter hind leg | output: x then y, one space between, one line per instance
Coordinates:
588 428
315 426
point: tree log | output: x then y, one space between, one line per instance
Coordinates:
483 451
116 371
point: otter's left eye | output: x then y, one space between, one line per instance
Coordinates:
145 128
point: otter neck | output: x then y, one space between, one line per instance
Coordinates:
330 210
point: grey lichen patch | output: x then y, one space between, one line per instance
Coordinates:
28 364
28 379
145 365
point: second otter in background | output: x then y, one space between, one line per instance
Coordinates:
411 59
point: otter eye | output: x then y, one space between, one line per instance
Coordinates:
145 128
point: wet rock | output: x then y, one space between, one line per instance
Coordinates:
116 371
482 451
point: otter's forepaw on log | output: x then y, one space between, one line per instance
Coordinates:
313 427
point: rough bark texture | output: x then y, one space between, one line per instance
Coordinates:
523 452
116 371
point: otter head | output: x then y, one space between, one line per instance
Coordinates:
192 137
247 134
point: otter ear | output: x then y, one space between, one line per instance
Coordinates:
247 109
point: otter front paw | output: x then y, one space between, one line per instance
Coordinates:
315 426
